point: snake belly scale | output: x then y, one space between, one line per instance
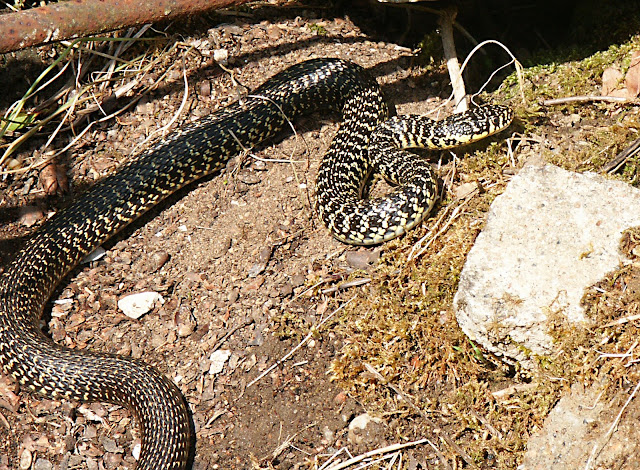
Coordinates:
44 367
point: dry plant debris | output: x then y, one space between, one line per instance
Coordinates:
197 253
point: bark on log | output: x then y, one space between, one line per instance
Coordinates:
79 18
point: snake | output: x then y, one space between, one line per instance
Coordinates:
367 141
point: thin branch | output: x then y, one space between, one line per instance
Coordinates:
622 157
445 21
67 20
312 332
622 320
383 450
586 98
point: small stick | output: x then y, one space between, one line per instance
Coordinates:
346 285
622 157
446 32
505 392
383 450
586 98
313 330
229 333
622 320
487 423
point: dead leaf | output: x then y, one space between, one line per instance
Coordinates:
621 93
632 80
611 78
7 392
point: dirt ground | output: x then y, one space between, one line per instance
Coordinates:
227 255
244 267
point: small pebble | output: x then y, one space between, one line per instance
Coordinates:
25 460
297 280
136 305
91 464
30 215
137 447
340 398
42 464
362 259
111 446
14 164
221 56
112 460
286 289
233 295
462 191
274 32
218 359
249 177
158 259
205 88
186 328
364 428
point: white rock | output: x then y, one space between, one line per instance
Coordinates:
218 359
363 428
221 56
135 452
136 305
550 235
26 458
95 255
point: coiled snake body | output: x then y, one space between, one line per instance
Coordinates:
43 366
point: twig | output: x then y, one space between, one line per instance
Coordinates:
185 97
621 321
586 98
383 450
313 331
478 48
418 249
278 450
514 61
505 392
334 456
346 285
229 333
487 423
622 157
437 429
5 422
445 21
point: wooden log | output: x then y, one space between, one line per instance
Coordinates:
80 18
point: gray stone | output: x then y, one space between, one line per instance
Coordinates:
365 429
549 236
578 433
42 464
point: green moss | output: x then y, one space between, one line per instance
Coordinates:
318 29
